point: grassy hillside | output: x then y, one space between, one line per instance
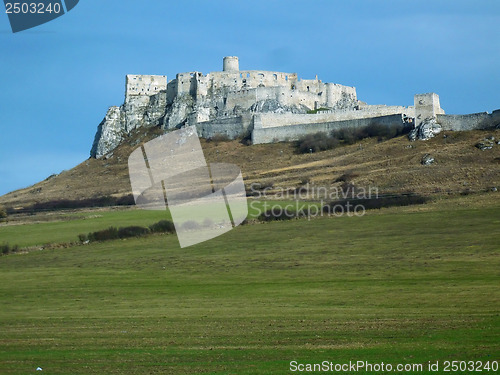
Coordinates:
392 166
401 285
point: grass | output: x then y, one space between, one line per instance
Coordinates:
69 225
398 286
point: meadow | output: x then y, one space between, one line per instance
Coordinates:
401 285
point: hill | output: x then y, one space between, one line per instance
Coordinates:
392 166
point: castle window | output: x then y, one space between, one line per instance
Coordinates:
275 76
307 88
286 78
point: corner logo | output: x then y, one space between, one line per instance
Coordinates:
24 15
204 201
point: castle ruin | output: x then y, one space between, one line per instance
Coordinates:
271 106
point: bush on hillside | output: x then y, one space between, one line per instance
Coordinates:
110 233
315 142
191 225
162 226
58 204
219 138
277 213
245 138
132 231
345 205
3 214
383 132
5 249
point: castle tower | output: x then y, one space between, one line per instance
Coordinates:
426 106
231 64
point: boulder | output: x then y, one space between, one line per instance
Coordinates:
427 159
486 144
426 130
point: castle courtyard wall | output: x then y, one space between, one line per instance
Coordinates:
263 134
471 121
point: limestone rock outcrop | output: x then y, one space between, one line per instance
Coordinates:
486 144
136 112
427 159
426 130
110 132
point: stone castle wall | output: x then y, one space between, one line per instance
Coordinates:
472 121
270 134
271 120
144 84
232 127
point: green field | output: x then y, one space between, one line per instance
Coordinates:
395 286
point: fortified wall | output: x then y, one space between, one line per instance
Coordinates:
144 84
271 106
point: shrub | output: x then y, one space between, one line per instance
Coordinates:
277 213
3 214
348 176
105 201
246 138
406 199
163 226
107 234
375 129
83 237
381 131
315 142
132 231
218 138
305 180
347 136
208 223
4 248
190 225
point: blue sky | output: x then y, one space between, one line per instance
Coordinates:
59 79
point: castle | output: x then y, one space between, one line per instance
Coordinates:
269 106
